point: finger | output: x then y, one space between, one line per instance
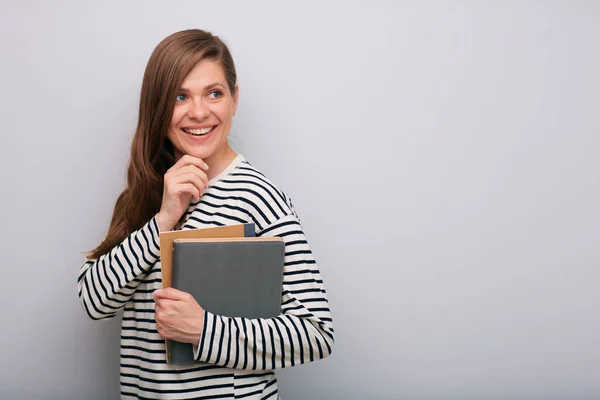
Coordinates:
191 184
183 173
157 300
162 304
177 189
160 329
159 308
190 160
170 294
192 189
201 182
202 175
161 315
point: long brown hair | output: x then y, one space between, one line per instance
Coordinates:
151 151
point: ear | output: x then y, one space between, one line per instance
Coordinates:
236 97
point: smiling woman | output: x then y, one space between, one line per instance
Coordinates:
183 174
202 116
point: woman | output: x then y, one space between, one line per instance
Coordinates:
183 174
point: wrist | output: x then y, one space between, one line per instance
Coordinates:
195 334
163 223
199 327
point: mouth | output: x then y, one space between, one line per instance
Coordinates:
198 131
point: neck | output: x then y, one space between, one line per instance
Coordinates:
220 160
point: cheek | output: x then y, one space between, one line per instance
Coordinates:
178 113
226 114
172 133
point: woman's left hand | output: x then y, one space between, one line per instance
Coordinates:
178 316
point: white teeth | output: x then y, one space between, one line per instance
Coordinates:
198 131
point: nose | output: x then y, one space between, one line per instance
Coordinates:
198 110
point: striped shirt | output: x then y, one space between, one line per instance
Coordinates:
237 355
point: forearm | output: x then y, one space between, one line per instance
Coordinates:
263 344
108 282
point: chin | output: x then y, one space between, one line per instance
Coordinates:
200 153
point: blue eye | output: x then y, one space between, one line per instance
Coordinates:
181 97
215 94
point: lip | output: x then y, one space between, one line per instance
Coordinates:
202 138
197 126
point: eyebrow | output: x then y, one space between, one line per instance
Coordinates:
208 87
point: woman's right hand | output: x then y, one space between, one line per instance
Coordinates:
184 181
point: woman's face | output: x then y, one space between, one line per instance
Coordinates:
203 112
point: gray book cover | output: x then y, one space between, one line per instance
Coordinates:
233 277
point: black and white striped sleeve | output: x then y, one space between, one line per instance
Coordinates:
302 333
105 284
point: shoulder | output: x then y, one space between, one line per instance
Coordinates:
257 193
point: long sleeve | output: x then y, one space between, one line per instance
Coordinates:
105 284
302 333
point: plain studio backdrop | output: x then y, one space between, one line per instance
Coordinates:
443 157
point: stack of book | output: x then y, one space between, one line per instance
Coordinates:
227 269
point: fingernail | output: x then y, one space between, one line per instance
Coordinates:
158 292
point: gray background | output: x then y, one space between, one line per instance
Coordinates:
443 157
